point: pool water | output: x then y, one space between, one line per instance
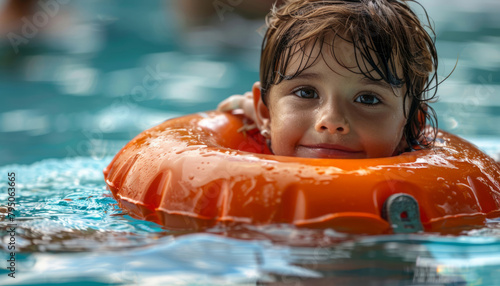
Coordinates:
70 101
69 230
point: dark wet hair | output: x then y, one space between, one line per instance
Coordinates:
386 36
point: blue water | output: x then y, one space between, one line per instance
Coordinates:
70 101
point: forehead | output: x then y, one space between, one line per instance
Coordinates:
342 56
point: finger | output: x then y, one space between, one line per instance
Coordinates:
248 94
248 108
230 103
223 105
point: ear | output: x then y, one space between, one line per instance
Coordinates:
263 120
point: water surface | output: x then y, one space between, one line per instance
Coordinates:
70 101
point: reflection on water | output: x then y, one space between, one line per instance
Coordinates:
97 73
70 229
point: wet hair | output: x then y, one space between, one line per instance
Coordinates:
387 38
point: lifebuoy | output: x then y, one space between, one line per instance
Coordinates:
196 171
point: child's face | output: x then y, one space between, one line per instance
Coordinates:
330 112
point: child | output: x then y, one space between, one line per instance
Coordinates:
343 79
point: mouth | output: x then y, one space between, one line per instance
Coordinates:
331 151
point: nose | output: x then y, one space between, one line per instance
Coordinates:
333 120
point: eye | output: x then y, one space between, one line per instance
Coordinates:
368 99
305 93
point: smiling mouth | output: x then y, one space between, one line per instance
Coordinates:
328 151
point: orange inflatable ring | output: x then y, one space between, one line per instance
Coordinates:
196 171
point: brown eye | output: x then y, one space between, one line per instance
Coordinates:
306 93
367 99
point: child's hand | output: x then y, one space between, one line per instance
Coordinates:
243 102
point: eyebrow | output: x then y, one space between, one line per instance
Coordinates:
367 81
303 75
380 83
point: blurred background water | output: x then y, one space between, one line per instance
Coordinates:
85 78
79 79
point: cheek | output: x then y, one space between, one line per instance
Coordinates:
286 130
382 137
285 117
